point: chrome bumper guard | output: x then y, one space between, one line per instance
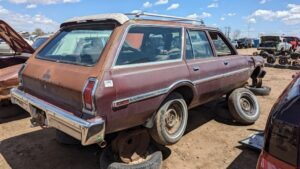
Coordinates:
86 131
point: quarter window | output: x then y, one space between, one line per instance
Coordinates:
221 46
150 44
197 45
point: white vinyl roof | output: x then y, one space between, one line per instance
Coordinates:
119 17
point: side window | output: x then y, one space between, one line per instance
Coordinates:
198 42
150 44
221 46
189 50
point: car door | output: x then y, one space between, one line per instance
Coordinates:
203 66
235 68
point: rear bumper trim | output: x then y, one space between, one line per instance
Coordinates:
89 132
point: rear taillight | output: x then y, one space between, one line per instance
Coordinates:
262 163
88 96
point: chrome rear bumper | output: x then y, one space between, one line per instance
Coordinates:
89 132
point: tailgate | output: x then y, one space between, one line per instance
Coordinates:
58 83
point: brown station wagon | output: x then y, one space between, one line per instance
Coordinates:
107 73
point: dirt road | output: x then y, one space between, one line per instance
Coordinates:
210 142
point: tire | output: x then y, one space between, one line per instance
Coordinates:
295 56
283 60
63 138
262 91
264 54
154 161
271 59
159 131
240 98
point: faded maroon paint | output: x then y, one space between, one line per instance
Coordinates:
62 84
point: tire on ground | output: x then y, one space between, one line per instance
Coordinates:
262 91
159 130
244 106
153 161
63 138
271 59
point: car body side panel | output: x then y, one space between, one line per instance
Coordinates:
238 70
139 80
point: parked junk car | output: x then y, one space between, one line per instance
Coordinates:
16 52
245 43
294 41
281 148
273 44
40 40
111 74
234 43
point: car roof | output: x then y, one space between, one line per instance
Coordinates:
123 18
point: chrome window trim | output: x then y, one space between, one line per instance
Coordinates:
162 91
93 112
114 66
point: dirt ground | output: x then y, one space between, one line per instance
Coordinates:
210 142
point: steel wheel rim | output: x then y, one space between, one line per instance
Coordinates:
173 118
248 105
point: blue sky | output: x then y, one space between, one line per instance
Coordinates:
251 17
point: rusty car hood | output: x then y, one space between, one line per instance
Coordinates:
13 39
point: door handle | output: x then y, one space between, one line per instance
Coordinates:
196 68
226 63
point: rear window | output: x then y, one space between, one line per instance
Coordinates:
77 45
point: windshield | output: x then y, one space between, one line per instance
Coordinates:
38 42
77 45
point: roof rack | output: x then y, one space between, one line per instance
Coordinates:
175 18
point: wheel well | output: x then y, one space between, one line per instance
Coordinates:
186 92
256 72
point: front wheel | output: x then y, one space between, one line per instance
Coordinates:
170 120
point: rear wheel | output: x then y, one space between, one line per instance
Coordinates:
271 59
170 120
244 106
